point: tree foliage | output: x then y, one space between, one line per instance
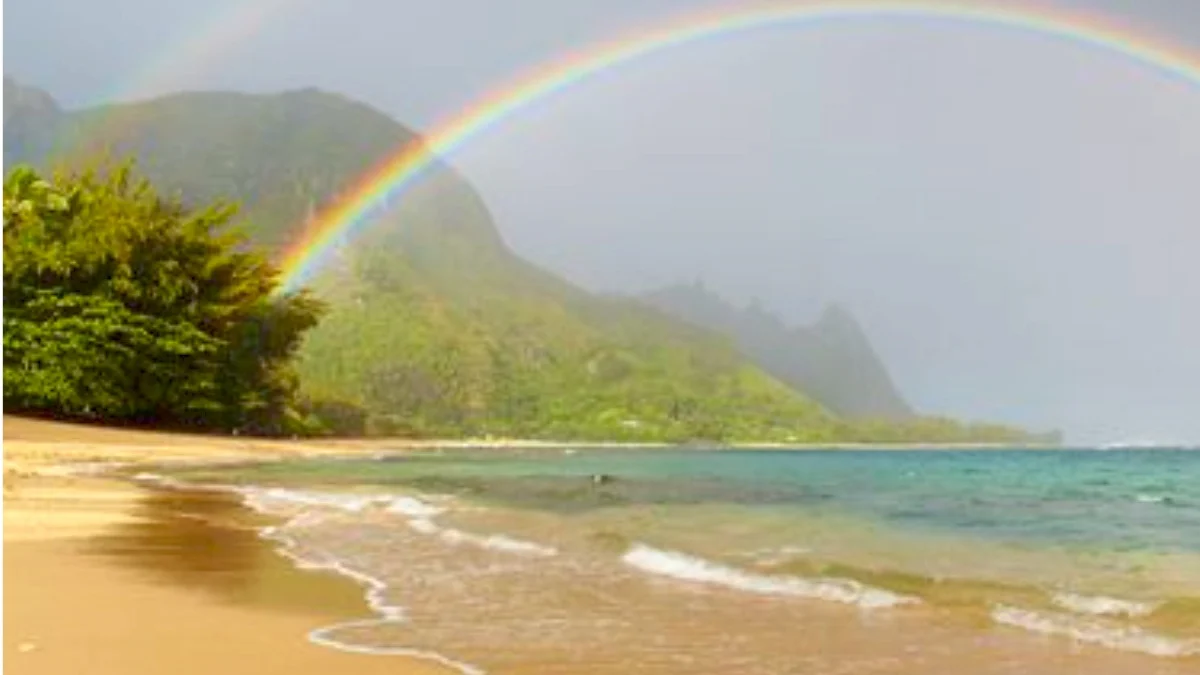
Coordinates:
125 306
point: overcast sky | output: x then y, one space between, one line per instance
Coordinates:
1014 218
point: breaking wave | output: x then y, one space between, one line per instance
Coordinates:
690 568
493 542
1097 632
376 588
1099 605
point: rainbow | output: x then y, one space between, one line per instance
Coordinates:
185 61
202 49
353 210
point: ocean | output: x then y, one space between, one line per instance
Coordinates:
575 560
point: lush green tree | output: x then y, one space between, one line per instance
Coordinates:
122 305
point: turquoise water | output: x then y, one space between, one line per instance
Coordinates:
1042 555
1126 500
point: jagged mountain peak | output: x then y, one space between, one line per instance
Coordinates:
832 360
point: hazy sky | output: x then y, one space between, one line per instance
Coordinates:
1015 219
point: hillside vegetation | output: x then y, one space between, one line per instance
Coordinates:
434 327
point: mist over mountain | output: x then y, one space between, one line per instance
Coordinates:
32 122
437 328
832 359
1011 214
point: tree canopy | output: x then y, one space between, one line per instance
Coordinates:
122 305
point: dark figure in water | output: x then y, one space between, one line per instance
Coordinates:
601 478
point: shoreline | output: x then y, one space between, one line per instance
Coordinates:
118 444
154 574
105 576
59 505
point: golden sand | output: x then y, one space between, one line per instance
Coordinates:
103 577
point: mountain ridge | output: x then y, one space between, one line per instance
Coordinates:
832 359
436 327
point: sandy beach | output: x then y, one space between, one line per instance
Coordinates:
106 576
103 577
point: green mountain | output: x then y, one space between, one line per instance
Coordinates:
832 360
434 326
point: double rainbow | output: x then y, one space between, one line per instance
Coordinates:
305 256
187 59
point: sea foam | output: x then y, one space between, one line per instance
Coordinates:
1092 631
493 542
1100 605
276 501
691 568
413 507
777 555
170 483
265 498
376 589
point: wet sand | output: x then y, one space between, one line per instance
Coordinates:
103 577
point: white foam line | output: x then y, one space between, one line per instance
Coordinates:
776 555
345 502
169 483
1100 605
691 568
262 499
410 506
259 499
320 637
1123 638
493 542
376 587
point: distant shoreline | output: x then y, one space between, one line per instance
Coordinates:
46 441
32 442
